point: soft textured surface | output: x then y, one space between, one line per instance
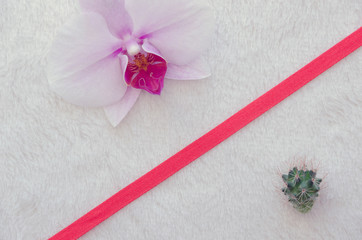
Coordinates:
58 161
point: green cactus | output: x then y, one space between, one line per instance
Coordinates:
302 188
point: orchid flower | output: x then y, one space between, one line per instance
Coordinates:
114 49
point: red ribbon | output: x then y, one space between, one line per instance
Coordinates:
212 138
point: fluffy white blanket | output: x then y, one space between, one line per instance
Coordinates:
58 161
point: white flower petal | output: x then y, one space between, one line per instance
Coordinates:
147 47
180 29
124 62
197 69
117 112
117 18
99 85
79 44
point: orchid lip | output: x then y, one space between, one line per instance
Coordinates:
146 71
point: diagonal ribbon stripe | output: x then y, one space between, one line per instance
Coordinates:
212 138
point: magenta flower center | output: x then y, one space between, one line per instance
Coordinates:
146 71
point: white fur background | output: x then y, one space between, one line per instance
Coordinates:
58 161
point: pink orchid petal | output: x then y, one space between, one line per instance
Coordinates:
99 85
147 47
118 111
80 43
197 69
117 18
180 29
124 62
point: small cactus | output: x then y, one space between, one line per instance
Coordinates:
302 188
